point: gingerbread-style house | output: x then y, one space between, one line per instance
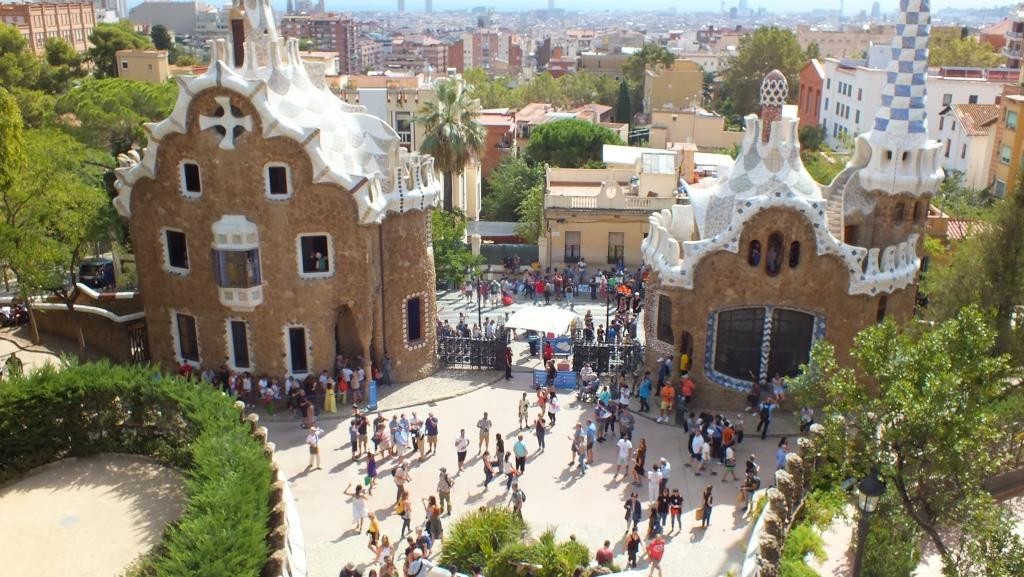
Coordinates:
767 261
275 226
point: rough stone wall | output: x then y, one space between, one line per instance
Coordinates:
882 229
101 334
408 265
233 183
818 284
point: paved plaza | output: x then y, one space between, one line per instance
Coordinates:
587 506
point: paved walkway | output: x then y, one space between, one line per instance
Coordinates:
49 350
588 506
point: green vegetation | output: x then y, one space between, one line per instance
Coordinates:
476 537
803 540
960 201
87 409
452 133
569 143
947 48
107 39
565 92
935 425
109 113
34 81
508 185
758 54
624 105
892 545
453 259
812 138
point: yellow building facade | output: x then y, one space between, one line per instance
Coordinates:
676 88
143 65
1009 145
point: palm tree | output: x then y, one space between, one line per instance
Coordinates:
453 135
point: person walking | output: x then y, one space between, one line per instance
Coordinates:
444 490
313 440
488 469
405 512
655 551
520 452
664 501
371 472
697 451
484 426
517 501
675 509
511 472
653 480
634 511
666 472
639 459
433 519
625 447
524 412
554 407
730 464
461 447
780 455
401 477
540 430
644 392
431 426
765 413
668 397
591 434
508 363
707 501
632 548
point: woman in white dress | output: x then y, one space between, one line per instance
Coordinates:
358 505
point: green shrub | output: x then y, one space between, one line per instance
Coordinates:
501 565
556 559
892 547
473 539
81 410
823 505
802 540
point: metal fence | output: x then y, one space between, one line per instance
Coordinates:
607 357
467 353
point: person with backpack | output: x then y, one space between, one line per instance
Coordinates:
444 490
750 486
517 501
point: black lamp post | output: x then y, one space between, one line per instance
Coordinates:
869 493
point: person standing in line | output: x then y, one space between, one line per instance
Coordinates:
434 527
591 434
524 412
675 504
520 452
653 480
385 371
655 551
668 397
508 363
444 490
484 426
431 426
313 440
540 430
634 511
625 447
780 455
632 548
697 451
707 501
664 500
461 447
401 477
639 459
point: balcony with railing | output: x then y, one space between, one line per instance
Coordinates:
609 189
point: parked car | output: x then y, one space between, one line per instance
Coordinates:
97 273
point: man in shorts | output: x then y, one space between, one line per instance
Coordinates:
431 426
625 447
668 397
461 446
484 424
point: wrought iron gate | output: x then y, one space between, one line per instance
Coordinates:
138 343
607 357
466 353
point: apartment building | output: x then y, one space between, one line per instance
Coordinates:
1008 146
675 88
845 42
329 32
967 134
179 17
73 22
812 82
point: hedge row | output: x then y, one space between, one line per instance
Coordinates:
81 410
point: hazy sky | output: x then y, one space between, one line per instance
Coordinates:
851 6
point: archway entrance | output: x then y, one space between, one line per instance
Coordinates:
686 351
346 338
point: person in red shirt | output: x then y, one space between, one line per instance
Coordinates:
605 555
688 388
655 551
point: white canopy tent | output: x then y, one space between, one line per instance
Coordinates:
542 319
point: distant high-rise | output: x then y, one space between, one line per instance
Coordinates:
401 5
551 4
876 11
743 6
430 6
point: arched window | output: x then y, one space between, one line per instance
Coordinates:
754 256
794 254
773 258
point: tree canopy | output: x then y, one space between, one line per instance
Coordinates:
566 91
933 410
759 53
109 113
34 81
19 67
507 186
947 48
452 257
649 56
107 39
569 143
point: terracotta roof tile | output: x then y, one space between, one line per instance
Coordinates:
976 118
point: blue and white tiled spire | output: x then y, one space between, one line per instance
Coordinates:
902 158
903 95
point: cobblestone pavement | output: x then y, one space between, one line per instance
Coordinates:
588 506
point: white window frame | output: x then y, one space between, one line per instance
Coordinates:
176 338
231 343
1009 150
287 176
331 268
288 348
167 252
181 179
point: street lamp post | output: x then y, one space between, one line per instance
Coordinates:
869 492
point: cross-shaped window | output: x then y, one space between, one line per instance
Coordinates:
227 121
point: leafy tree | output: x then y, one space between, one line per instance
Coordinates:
306 44
624 105
12 154
708 86
650 56
822 169
949 49
987 269
585 87
109 113
19 67
811 137
107 39
813 51
508 184
453 259
62 65
758 54
186 60
492 93
933 425
36 106
160 37
453 135
961 201
569 143
531 215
